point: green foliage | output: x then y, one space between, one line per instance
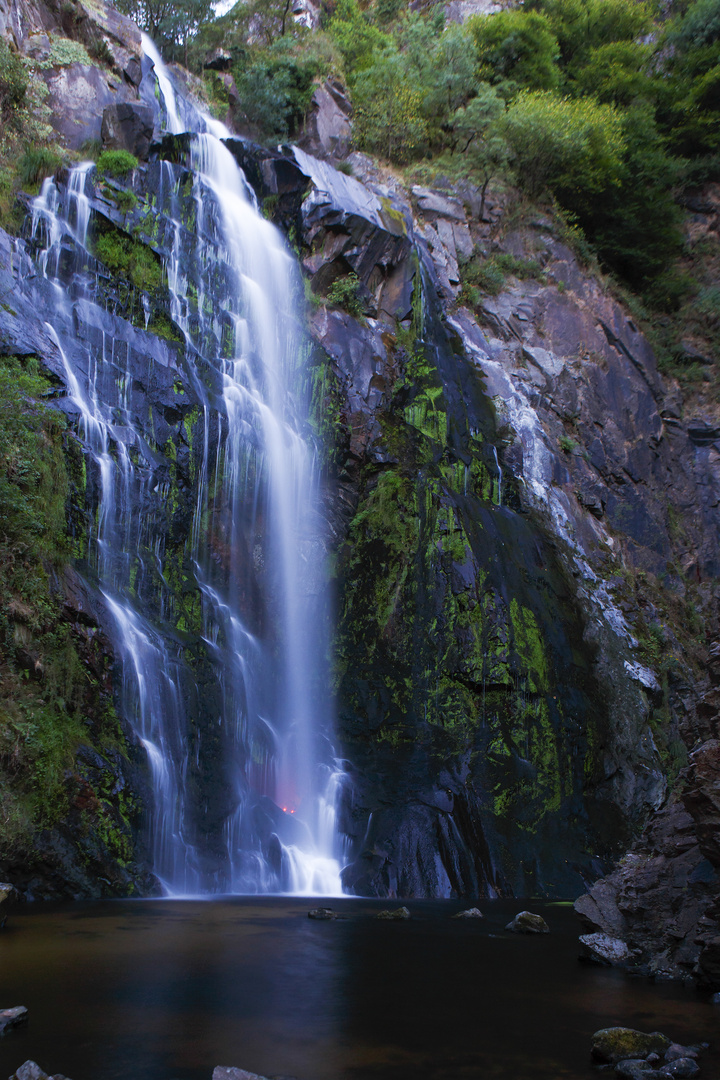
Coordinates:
64 52
357 39
37 163
116 163
344 293
488 276
33 481
563 146
581 26
13 84
129 259
388 110
516 49
276 85
125 201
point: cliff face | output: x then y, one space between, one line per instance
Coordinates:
522 521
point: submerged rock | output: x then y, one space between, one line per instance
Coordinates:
471 913
635 1069
398 913
684 1068
12 1017
30 1070
525 922
603 949
675 1051
617 1044
229 1072
322 914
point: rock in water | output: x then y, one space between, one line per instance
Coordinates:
635 1069
30 1070
398 913
229 1072
471 913
683 1068
525 922
619 1043
603 949
322 914
12 1017
675 1051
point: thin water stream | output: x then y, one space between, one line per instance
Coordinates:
166 990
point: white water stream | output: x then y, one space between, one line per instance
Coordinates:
244 780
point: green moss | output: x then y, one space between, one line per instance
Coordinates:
117 163
129 259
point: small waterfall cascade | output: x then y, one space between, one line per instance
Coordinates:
216 597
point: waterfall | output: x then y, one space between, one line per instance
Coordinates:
235 716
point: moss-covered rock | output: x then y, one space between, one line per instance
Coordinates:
620 1044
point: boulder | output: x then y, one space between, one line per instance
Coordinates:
471 913
616 1044
12 1017
8 896
328 130
78 94
398 913
525 922
322 914
683 1068
675 1051
229 1072
603 949
708 965
635 1069
128 126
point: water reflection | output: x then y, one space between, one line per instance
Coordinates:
166 990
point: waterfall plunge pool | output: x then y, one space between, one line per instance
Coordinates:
167 989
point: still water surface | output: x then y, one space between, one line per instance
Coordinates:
166 990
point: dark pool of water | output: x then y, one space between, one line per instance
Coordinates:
166 990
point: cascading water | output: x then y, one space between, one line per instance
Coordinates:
234 717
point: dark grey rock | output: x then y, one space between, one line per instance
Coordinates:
616 1044
229 1072
526 922
471 913
675 1051
683 1068
128 126
634 1069
603 949
12 1017
322 914
395 915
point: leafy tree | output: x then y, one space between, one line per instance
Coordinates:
13 84
583 25
635 227
572 148
356 37
388 110
516 49
275 88
480 147
616 73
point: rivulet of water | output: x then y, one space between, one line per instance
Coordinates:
235 716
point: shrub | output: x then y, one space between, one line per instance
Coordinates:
562 145
129 259
517 48
116 162
13 84
37 163
344 293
